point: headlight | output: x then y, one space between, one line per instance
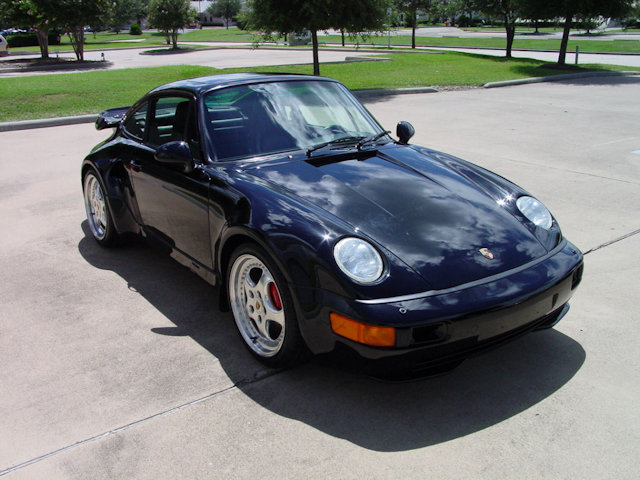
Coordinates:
358 260
535 211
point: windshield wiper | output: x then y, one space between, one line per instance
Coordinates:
340 140
372 138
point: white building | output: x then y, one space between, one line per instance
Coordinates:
203 17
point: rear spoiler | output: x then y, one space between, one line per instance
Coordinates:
110 118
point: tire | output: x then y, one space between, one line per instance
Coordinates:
262 308
98 214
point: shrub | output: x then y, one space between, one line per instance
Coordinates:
30 40
135 29
466 21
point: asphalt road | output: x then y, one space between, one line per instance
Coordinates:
117 364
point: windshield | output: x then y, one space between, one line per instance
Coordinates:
261 119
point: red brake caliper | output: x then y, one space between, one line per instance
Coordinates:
274 296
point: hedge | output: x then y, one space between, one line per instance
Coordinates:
30 40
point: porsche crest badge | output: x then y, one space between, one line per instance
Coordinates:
486 253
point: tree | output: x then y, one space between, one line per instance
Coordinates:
508 11
536 10
451 8
171 16
39 15
411 7
126 10
74 15
285 16
570 9
226 9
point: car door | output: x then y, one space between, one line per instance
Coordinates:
172 204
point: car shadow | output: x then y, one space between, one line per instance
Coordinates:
482 392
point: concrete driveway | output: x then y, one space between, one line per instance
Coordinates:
117 364
225 56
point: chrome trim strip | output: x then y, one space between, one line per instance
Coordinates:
465 286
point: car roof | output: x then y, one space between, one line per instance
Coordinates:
203 84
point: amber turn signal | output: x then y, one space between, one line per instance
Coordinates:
363 333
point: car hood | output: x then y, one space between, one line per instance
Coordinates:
434 213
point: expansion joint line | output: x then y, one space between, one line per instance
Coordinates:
611 242
241 383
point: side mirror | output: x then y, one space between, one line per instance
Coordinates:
177 154
110 118
404 131
102 123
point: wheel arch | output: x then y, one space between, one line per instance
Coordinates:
114 178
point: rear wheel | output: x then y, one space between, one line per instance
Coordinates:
262 307
98 215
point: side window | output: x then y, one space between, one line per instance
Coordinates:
171 120
136 122
174 119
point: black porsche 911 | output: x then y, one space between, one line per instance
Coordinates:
323 232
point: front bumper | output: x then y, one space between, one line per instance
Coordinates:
443 327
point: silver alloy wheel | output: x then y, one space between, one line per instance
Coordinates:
96 206
257 305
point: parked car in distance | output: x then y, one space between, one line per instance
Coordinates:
4 46
325 234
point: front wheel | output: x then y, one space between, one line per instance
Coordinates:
262 308
98 215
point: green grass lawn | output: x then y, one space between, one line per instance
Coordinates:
586 45
422 69
519 29
45 96
232 34
631 31
103 40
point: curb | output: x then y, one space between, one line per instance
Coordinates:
383 92
46 122
87 65
558 78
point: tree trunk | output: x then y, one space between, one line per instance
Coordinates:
565 38
316 60
43 42
342 34
510 27
174 39
414 20
77 41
